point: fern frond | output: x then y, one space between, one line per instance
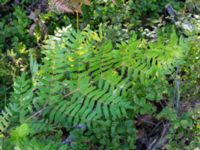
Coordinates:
100 76
91 103
5 119
20 105
157 60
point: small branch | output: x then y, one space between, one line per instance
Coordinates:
77 20
71 93
159 140
177 91
149 122
36 113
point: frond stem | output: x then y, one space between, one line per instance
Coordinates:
71 93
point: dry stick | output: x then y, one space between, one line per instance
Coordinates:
177 91
159 140
71 93
77 20
35 114
146 121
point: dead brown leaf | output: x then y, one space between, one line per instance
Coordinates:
70 6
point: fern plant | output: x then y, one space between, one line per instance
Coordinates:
85 83
20 105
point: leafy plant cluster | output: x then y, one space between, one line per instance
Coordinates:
129 16
23 28
14 42
184 130
86 92
86 88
